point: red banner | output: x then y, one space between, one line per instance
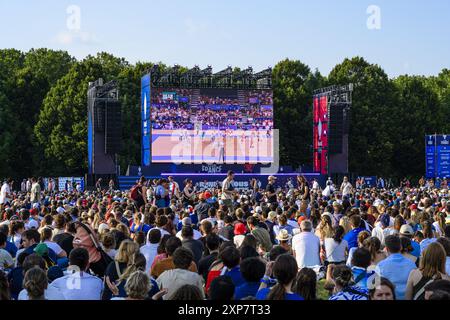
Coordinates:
320 134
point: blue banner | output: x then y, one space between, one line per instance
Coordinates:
437 156
145 120
370 182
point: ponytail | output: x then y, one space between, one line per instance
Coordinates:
277 292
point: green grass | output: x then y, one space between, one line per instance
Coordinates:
322 294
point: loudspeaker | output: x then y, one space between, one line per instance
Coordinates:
99 115
113 127
335 128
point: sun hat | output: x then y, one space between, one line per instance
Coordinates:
406 230
272 215
283 235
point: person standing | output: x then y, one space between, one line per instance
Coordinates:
270 190
228 190
23 186
174 188
304 193
111 185
346 187
98 185
35 191
29 185
5 194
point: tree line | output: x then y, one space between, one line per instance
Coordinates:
43 112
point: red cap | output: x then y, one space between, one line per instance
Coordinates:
239 228
207 194
300 219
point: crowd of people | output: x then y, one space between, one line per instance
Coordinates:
160 240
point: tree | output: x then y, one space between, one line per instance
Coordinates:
420 113
10 61
371 138
61 129
293 84
40 71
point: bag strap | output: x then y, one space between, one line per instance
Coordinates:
422 290
119 274
361 276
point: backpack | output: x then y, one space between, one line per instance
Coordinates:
135 192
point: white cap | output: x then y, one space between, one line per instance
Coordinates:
60 210
102 227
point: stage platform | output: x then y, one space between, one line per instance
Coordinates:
212 180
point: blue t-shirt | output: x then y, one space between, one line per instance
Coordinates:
15 278
145 228
11 248
236 276
246 289
194 218
263 293
352 237
416 249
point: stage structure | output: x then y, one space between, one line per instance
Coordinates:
199 124
331 119
104 129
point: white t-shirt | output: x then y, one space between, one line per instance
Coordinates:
149 251
79 286
6 260
437 228
3 191
315 185
307 247
163 232
54 246
173 279
328 191
381 233
51 293
17 238
225 186
197 235
346 188
335 252
238 239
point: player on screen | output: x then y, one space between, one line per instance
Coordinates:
221 151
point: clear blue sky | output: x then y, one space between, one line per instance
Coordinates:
414 37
